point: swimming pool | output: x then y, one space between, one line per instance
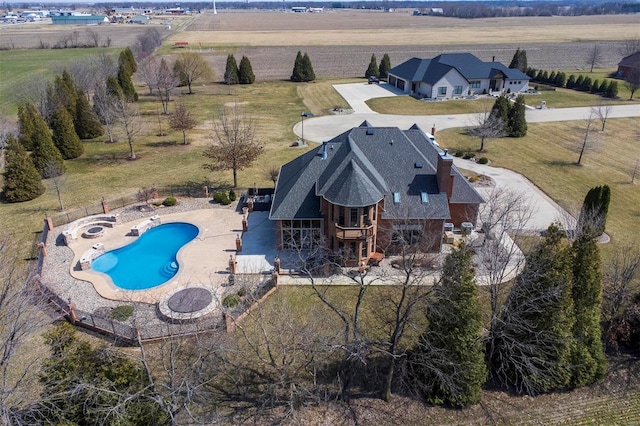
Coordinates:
150 260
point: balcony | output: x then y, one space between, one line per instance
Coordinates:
351 233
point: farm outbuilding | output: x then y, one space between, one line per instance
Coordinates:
78 19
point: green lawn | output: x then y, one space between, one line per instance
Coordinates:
22 70
547 156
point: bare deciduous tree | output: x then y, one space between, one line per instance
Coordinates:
488 125
7 127
105 105
58 179
148 71
190 67
165 81
235 143
589 140
129 117
602 111
273 174
620 279
22 316
594 56
182 120
632 80
94 38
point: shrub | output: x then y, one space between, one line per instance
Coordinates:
232 195
483 160
459 153
121 313
242 291
169 201
231 301
221 198
469 155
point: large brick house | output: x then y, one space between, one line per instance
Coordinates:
628 64
451 75
354 192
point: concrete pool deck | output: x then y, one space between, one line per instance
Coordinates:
203 261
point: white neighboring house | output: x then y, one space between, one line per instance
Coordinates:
453 75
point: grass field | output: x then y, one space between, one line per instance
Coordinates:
547 156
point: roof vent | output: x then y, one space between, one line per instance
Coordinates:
369 131
418 165
396 198
424 197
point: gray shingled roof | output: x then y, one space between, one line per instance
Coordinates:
430 71
364 165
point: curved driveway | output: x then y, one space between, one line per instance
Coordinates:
320 129
323 128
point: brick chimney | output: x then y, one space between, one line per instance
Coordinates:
443 173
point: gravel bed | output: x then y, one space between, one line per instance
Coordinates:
55 274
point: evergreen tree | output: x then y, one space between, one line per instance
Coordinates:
595 209
579 82
519 60
21 179
64 135
65 93
589 362
126 84
309 74
595 86
84 385
534 340
531 72
385 66
86 122
545 77
372 70
561 79
127 60
231 71
45 155
298 69
27 113
586 84
501 108
571 82
552 78
612 90
517 123
245 72
448 364
539 76
113 88
603 87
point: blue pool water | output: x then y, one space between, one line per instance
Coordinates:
148 261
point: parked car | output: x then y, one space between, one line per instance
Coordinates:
374 80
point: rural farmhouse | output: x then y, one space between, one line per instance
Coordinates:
358 192
452 75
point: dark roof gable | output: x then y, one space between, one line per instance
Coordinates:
361 167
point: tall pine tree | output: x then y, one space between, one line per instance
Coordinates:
27 113
532 346
64 135
298 74
517 123
372 69
86 122
309 74
595 208
501 108
385 66
231 71
245 71
65 93
519 60
589 362
21 179
448 364
126 68
45 155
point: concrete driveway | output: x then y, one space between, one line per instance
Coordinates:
546 210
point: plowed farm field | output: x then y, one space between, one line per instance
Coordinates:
340 43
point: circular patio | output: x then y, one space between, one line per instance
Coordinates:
188 303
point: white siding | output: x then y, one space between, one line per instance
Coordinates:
450 81
516 85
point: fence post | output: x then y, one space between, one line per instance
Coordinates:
105 206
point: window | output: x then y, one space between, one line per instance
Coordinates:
457 90
396 198
474 84
424 197
301 234
442 91
353 217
